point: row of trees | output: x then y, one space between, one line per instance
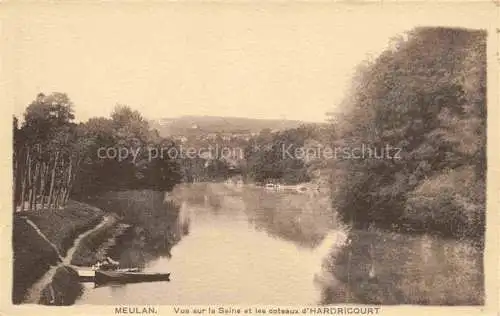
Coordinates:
426 95
45 155
55 158
45 178
200 169
267 157
127 131
272 157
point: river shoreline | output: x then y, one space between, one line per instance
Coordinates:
142 227
62 275
41 239
53 244
65 286
279 238
379 267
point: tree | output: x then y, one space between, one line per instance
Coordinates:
426 96
125 130
271 157
43 153
47 114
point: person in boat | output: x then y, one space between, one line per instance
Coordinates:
106 264
110 264
111 261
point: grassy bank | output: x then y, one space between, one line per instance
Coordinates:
32 258
63 226
95 246
33 255
155 224
64 289
390 268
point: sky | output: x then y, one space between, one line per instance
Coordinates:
258 60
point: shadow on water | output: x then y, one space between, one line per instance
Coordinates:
389 268
222 245
155 225
250 246
294 217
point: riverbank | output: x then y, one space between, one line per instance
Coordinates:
62 226
34 252
61 284
279 238
95 246
132 226
153 225
379 267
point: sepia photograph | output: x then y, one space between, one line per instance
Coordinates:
313 158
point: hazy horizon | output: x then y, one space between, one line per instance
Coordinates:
231 117
263 61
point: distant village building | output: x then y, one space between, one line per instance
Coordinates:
181 139
211 136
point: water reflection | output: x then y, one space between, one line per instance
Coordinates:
299 218
389 268
232 246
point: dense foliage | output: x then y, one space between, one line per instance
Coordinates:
137 165
426 95
55 157
46 152
280 157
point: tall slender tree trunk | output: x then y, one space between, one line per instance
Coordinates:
35 184
24 176
75 172
30 184
60 186
57 198
69 181
60 195
43 184
55 203
40 176
52 180
15 185
36 178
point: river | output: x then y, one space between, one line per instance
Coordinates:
245 245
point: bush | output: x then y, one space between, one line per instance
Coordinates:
425 95
64 289
388 268
447 203
31 253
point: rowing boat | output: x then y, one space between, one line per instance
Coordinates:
105 277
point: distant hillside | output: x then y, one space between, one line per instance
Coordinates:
216 124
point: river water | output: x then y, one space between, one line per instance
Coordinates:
245 245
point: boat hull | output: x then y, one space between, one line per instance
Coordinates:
107 277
